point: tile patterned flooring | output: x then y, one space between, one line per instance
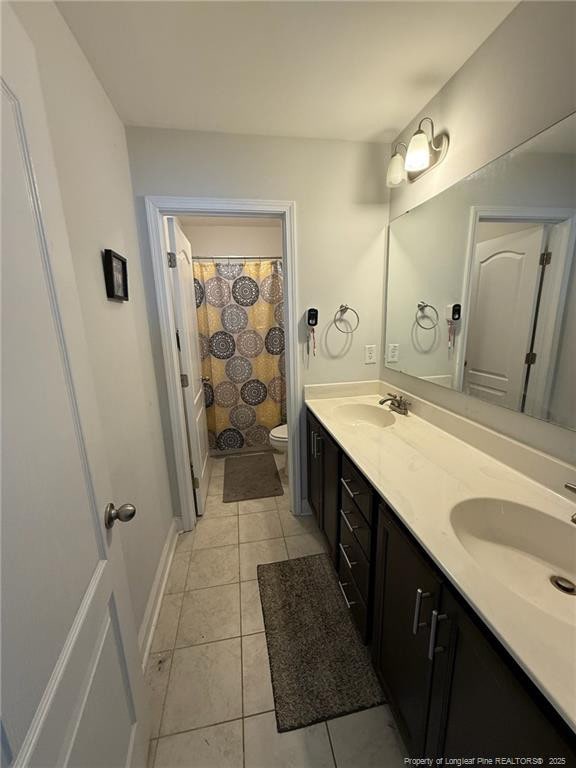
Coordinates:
208 672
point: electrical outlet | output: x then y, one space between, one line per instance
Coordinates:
370 354
393 353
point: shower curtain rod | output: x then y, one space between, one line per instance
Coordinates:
237 258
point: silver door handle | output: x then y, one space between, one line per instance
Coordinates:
416 623
349 491
349 603
432 647
313 447
124 513
343 550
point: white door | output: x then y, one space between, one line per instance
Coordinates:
183 295
503 292
72 688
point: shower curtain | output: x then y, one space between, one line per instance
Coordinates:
241 325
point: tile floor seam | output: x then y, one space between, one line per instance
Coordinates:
173 650
209 586
198 728
331 745
241 645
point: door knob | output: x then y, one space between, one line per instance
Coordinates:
125 513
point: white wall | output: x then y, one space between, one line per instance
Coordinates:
341 216
90 150
210 240
519 82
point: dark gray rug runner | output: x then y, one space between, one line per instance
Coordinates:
320 668
251 477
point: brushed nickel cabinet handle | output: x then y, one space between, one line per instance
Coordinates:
432 647
351 528
349 603
416 623
348 563
349 491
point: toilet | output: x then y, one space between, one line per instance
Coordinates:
279 441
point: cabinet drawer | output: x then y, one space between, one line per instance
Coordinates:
359 565
355 522
357 488
353 598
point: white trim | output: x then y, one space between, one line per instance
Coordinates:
150 620
156 208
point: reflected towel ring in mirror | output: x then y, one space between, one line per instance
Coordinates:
339 316
421 313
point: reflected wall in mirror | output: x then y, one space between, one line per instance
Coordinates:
481 287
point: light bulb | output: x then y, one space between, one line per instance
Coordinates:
396 173
418 155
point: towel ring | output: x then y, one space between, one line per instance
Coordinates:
339 314
422 307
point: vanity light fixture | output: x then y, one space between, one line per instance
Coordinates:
396 173
422 153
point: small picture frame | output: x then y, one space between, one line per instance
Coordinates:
115 275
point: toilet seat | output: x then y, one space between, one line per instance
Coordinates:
280 433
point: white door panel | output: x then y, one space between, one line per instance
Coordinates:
503 291
183 296
64 591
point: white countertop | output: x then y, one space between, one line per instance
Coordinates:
422 472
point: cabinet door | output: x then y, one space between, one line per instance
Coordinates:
491 710
410 592
315 468
331 492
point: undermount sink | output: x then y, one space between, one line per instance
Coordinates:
362 414
523 548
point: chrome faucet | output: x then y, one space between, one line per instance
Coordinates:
397 403
571 487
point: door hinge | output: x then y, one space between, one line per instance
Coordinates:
530 358
545 258
171 259
184 381
195 482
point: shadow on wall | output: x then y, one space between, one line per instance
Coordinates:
371 186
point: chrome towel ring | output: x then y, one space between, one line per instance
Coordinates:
421 313
339 316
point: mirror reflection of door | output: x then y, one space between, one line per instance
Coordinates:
503 292
517 299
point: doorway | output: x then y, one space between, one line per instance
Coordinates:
229 336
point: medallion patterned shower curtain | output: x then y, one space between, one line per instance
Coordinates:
241 325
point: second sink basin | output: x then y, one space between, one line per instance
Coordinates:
523 548
362 414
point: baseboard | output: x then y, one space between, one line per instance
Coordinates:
155 598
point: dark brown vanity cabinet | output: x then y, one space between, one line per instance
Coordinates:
407 592
323 485
454 690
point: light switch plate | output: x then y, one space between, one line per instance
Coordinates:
370 354
393 353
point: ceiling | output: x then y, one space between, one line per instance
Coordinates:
330 70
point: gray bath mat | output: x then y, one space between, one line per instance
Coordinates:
320 668
251 477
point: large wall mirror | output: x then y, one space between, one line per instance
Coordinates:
481 291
